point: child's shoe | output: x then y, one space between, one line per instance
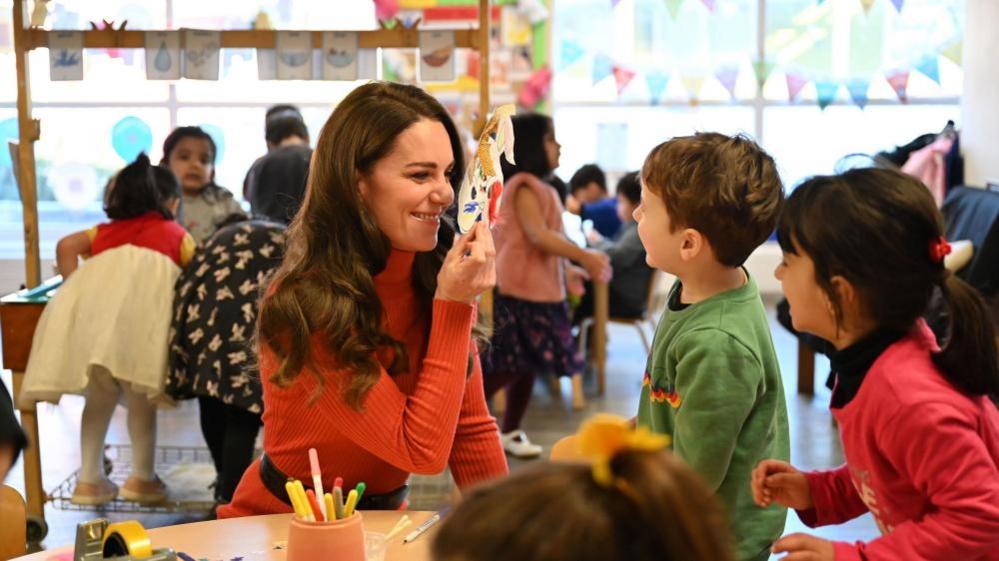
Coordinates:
142 491
94 494
517 445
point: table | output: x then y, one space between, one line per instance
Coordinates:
254 537
19 313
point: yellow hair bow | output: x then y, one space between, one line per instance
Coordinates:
605 435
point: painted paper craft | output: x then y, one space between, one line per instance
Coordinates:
201 54
340 55
162 55
266 64
294 55
482 188
65 55
437 56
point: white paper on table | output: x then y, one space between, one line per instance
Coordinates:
437 56
294 55
201 54
340 52
162 55
65 55
367 64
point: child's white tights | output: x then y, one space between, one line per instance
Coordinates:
103 393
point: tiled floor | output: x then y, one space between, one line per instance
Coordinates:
815 443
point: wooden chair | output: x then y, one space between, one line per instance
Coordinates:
13 533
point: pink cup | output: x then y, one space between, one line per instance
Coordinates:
340 540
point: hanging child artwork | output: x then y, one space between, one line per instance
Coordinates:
65 55
482 186
294 55
201 54
367 64
162 55
340 55
437 56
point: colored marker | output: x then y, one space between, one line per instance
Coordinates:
360 491
317 479
293 497
338 502
314 506
351 503
300 489
328 502
424 527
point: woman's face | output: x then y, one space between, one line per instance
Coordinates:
553 150
408 190
191 161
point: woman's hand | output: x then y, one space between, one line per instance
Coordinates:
803 547
776 481
575 278
597 264
469 269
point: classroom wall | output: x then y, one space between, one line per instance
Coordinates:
979 108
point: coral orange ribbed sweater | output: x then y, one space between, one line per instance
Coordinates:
417 422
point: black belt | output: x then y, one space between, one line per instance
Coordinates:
274 480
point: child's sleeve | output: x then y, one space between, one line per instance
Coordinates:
718 381
835 498
939 449
187 247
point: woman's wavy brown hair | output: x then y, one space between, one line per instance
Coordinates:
324 287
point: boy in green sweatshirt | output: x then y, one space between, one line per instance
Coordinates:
712 382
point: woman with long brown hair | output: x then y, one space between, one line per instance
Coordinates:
365 334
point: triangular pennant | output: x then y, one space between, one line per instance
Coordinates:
386 9
794 85
898 5
930 67
614 3
656 81
728 77
623 77
710 5
693 86
673 6
858 91
603 67
899 82
571 52
954 52
763 68
826 92
867 5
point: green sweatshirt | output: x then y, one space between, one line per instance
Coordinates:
713 384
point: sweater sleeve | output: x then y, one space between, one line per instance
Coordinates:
835 498
938 449
718 381
477 454
412 432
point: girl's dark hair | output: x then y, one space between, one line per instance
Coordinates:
325 284
180 133
658 510
141 187
874 228
529 132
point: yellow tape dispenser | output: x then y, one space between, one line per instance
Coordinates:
97 540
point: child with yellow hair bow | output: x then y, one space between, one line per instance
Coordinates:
621 498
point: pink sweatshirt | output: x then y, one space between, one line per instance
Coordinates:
921 456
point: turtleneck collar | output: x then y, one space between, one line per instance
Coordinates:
851 364
398 271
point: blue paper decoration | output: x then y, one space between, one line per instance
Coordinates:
130 136
603 67
219 137
8 131
930 67
656 82
826 92
571 52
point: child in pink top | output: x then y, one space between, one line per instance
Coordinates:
918 420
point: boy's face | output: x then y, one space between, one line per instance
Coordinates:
590 193
662 247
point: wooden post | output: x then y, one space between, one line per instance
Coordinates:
28 131
34 491
485 21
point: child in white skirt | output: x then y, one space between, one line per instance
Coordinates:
104 334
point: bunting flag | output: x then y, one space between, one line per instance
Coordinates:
674 7
710 5
899 81
614 3
571 52
867 6
763 69
795 83
603 67
728 76
858 90
930 67
386 9
693 86
826 93
623 77
656 81
536 87
954 52
898 5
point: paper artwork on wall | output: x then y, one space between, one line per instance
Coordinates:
162 55
294 55
437 56
65 55
340 54
201 54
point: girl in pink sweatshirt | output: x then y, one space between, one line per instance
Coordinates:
863 254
